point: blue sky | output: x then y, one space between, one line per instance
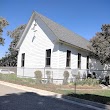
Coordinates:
83 17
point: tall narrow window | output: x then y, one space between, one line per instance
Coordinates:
22 59
48 57
68 58
87 62
79 60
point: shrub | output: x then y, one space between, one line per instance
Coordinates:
78 76
49 79
38 76
88 81
84 76
66 76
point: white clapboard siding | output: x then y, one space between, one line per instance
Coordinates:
74 57
35 53
35 50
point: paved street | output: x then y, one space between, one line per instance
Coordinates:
15 99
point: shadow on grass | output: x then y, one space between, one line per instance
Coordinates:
91 97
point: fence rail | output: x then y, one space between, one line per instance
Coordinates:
57 80
56 75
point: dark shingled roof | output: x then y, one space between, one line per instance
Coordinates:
65 34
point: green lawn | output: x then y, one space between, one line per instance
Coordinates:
99 95
96 92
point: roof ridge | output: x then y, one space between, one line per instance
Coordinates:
59 25
46 23
64 34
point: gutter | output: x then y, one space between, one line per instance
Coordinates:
61 41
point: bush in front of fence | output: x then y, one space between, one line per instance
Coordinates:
49 77
38 76
88 81
66 76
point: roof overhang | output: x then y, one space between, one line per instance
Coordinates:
66 43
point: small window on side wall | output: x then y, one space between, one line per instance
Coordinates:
68 58
48 58
79 60
22 59
87 62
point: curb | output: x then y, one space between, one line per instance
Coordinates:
29 89
81 102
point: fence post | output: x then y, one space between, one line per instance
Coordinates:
52 76
44 76
75 86
23 71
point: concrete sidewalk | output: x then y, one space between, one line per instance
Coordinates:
81 102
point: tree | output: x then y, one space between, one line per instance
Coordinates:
16 34
100 45
3 23
10 59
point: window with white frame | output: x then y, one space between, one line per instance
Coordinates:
68 58
87 62
22 59
48 58
79 60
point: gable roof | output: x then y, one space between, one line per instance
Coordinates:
61 33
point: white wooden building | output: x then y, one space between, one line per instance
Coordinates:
45 44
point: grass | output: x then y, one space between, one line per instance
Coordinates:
88 92
96 92
102 96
